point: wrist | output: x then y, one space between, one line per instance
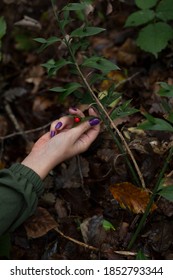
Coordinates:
37 164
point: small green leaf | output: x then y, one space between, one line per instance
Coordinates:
166 90
72 87
155 124
66 90
58 89
46 42
145 4
100 63
53 40
123 111
166 192
3 27
86 31
75 6
164 10
139 18
40 40
107 225
154 37
53 66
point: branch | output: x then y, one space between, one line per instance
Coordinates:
113 125
25 131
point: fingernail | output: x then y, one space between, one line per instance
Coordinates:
52 133
73 108
58 125
94 121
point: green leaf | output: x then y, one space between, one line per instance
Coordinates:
46 42
66 19
154 37
75 6
155 124
139 18
107 225
66 90
166 192
86 31
3 27
110 99
166 90
58 89
100 63
40 40
164 10
84 98
145 4
123 111
53 66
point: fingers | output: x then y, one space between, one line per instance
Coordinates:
67 122
92 112
76 111
60 124
91 126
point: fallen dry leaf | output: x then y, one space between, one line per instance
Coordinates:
40 223
41 104
114 77
71 173
131 197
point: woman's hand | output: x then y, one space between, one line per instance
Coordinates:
62 142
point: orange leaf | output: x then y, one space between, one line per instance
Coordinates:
131 197
40 223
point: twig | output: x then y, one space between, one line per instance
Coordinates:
76 241
14 121
113 125
89 247
127 80
25 131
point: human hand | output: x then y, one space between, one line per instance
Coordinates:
62 142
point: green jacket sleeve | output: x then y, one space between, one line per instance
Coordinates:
20 188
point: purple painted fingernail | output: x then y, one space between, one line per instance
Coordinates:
58 125
94 121
52 133
73 108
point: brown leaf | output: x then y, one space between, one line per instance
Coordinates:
41 104
131 197
70 174
40 223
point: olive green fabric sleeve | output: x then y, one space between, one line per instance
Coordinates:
20 188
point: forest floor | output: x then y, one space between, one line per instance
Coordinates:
71 221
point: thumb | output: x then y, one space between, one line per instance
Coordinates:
85 126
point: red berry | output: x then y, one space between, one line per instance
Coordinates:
77 119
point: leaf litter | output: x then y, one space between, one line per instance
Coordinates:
83 192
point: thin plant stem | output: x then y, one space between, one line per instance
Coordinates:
147 210
100 106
